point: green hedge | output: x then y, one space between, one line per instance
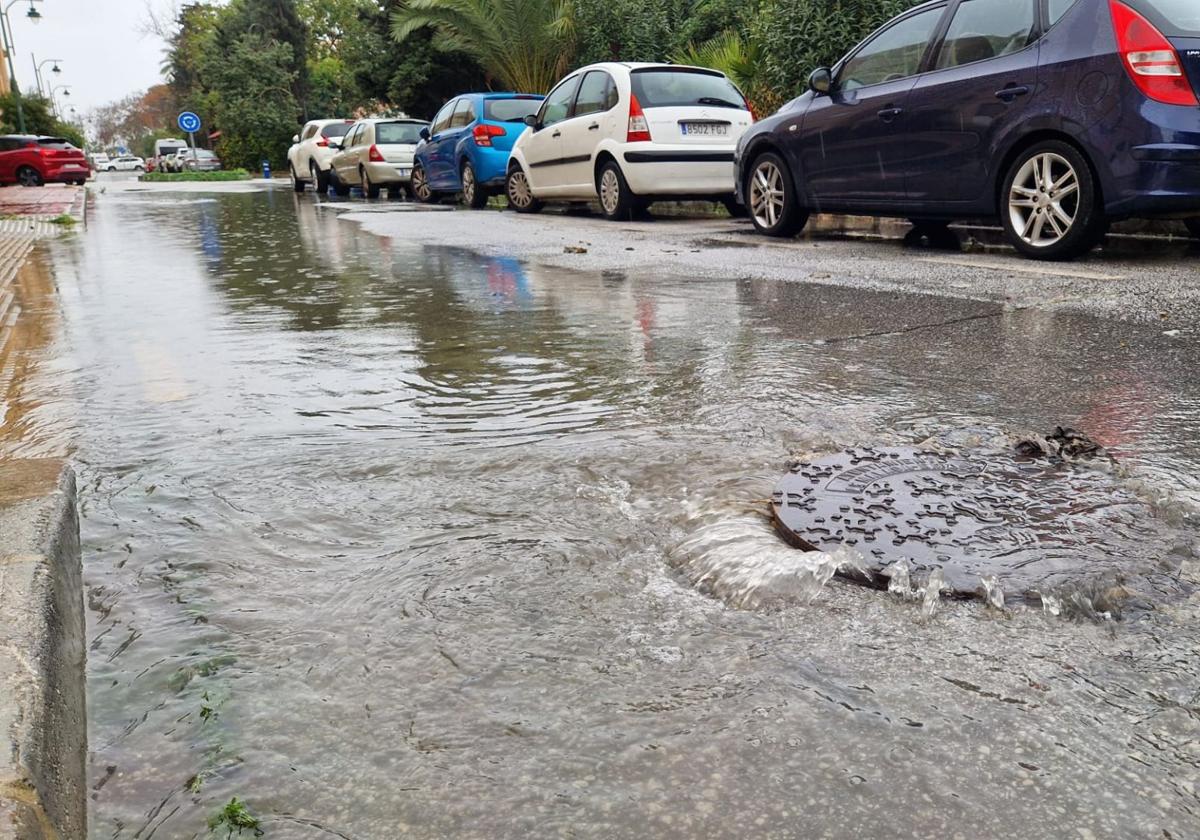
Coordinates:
220 175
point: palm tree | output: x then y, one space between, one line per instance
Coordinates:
525 45
738 57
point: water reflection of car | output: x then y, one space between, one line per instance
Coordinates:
312 152
631 134
466 148
1057 116
32 161
376 154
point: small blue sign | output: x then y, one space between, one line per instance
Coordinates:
189 122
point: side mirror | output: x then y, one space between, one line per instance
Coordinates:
424 134
295 138
821 81
532 121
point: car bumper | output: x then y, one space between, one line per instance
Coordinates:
491 166
389 173
656 169
68 172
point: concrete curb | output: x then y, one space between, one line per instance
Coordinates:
43 720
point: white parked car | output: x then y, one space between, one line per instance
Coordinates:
312 152
376 153
630 134
100 161
124 163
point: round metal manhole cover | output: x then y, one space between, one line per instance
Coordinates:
1038 525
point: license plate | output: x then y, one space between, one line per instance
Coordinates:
704 129
403 173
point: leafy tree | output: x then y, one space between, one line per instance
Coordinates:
39 119
524 45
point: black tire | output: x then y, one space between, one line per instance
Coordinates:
617 201
771 197
27 176
421 190
1193 226
735 210
139 169
520 193
111 169
473 195
1066 199
340 188
320 180
297 184
369 189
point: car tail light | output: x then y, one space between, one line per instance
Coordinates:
484 133
639 129
374 155
1150 59
323 142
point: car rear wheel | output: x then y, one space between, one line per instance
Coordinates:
771 197
1050 207
1193 226
473 195
617 200
27 176
520 194
111 169
369 189
421 190
320 179
297 184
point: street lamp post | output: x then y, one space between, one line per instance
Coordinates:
37 70
54 99
5 29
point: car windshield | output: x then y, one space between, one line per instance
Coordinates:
336 130
511 110
665 88
398 133
1173 17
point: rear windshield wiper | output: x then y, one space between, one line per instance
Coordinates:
713 100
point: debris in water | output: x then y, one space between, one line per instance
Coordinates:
1063 443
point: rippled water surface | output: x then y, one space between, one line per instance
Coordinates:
389 540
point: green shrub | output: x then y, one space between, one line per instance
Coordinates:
220 175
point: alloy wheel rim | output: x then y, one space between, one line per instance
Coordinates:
518 190
766 194
610 191
468 179
419 185
1043 203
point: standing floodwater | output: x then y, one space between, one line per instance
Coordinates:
388 540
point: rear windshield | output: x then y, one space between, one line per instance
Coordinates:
54 143
510 110
669 87
1173 17
401 133
167 151
336 130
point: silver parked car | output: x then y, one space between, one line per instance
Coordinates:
377 153
197 160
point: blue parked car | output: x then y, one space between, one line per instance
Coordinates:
465 149
1057 116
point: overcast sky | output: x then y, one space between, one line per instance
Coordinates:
105 56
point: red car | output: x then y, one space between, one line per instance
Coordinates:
32 161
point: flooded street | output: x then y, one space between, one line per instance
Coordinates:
388 539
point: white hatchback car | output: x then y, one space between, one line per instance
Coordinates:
377 153
124 163
312 152
630 134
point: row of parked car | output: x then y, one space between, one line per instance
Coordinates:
1056 117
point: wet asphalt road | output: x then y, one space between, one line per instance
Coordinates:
414 523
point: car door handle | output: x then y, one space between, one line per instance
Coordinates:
556 134
1011 92
594 127
889 114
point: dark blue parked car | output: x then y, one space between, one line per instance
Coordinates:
1057 116
465 149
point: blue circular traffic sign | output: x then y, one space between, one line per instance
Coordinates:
189 122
